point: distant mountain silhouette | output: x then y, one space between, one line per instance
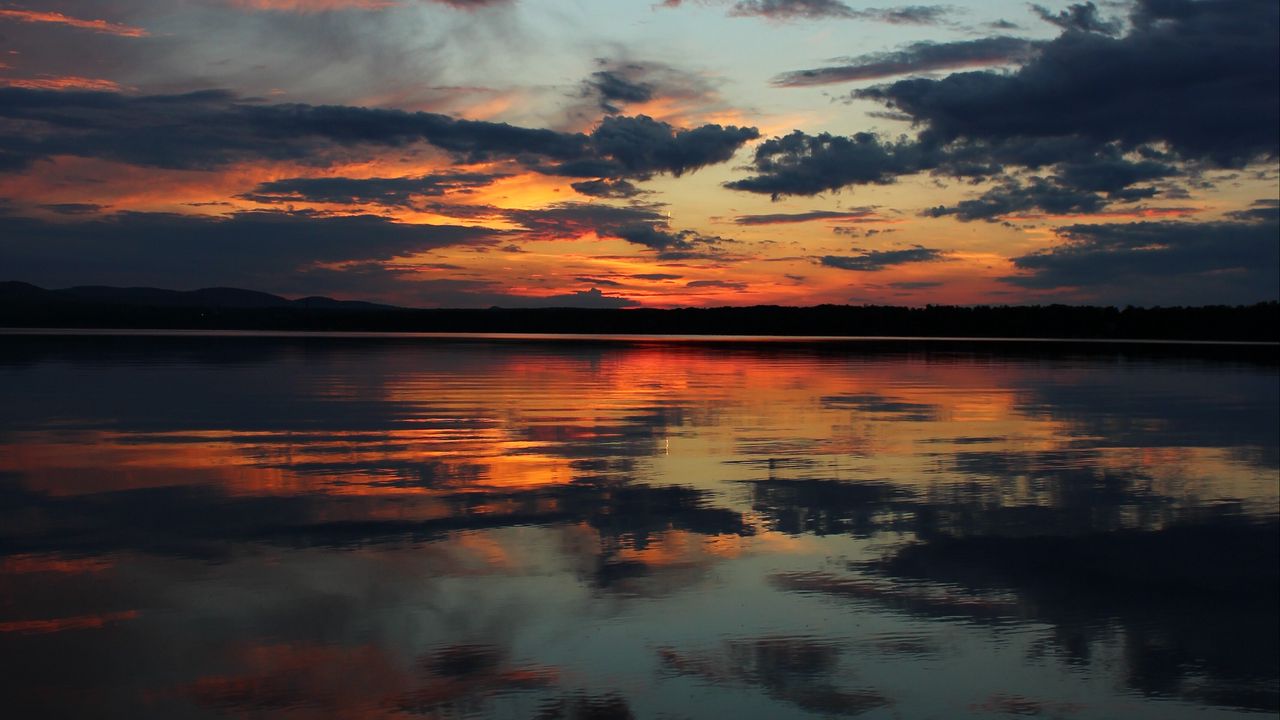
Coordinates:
25 305
217 297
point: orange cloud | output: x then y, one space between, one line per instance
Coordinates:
119 186
102 26
77 622
69 82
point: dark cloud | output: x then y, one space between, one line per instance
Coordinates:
394 53
726 284
606 188
1084 180
257 249
907 15
576 219
615 89
1199 77
915 285
800 164
792 9
1192 83
978 159
861 232
1013 196
640 225
203 130
399 191
1109 172
1266 209
73 208
783 218
592 298
642 146
598 281
620 83
822 9
875 260
915 58
673 244
1082 17
1155 262
206 129
656 276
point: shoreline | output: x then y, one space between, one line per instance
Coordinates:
614 337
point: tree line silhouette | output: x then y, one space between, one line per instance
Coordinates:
23 305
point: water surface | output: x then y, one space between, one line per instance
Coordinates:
425 527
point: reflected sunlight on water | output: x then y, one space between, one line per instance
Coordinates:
342 527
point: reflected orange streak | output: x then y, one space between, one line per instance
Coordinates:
23 564
103 26
326 681
443 691
311 681
518 440
493 556
77 622
134 466
680 547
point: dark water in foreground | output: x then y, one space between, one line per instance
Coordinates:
365 528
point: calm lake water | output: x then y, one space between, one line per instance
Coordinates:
367 528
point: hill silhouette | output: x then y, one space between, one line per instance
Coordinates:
27 306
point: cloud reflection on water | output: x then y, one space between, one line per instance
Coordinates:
567 530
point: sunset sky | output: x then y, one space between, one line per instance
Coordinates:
469 153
